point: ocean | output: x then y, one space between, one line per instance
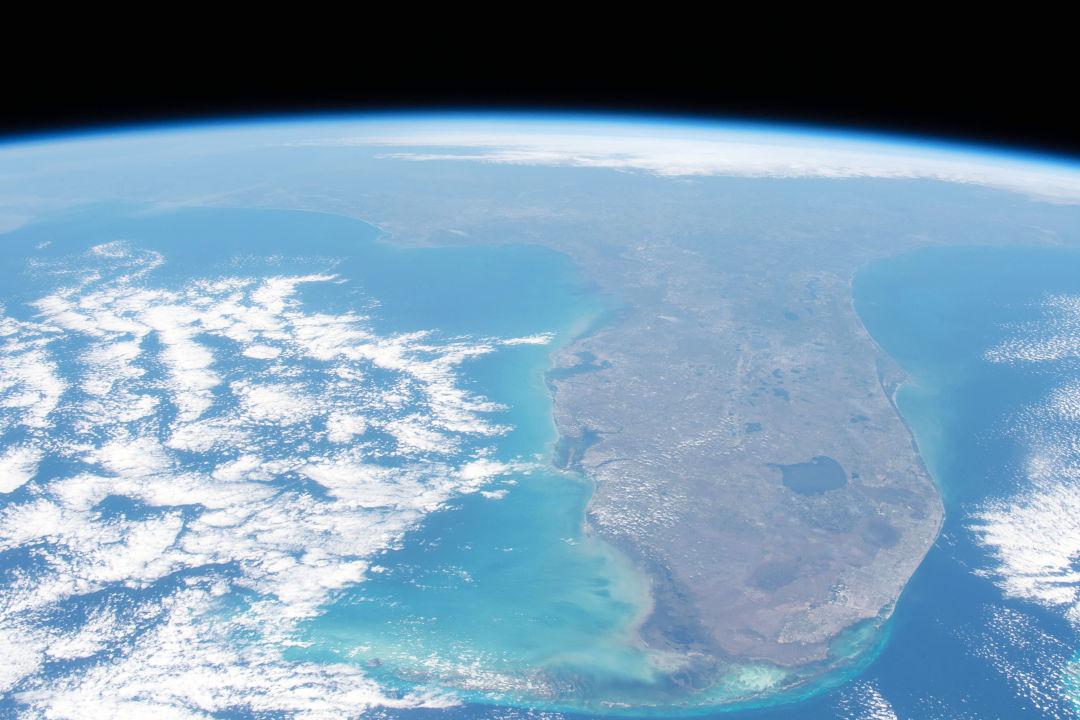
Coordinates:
965 641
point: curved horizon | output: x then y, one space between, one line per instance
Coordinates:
858 132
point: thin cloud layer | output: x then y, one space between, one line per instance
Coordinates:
676 151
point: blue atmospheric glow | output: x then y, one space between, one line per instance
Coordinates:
662 125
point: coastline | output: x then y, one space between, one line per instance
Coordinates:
702 672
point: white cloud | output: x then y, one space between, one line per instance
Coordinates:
130 457
272 403
483 469
261 352
343 427
30 388
538 339
680 150
17 466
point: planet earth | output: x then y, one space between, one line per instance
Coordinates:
478 416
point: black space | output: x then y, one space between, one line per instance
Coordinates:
988 92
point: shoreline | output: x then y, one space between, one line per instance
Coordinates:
652 640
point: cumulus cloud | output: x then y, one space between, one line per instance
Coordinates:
538 339
17 465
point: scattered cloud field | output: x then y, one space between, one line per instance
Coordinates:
190 468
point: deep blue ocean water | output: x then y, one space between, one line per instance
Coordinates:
938 312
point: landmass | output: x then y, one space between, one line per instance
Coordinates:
745 451
734 415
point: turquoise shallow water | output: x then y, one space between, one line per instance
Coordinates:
497 596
